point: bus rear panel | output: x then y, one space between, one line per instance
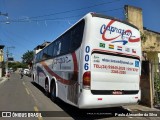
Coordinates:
111 63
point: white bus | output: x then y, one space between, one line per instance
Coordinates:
94 64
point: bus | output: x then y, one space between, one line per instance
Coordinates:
96 63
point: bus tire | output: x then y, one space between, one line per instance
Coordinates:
33 78
53 92
46 88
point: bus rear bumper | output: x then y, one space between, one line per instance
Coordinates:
88 100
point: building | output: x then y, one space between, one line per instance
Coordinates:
1 59
40 47
151 57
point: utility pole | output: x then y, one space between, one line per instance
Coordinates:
7 55
2 14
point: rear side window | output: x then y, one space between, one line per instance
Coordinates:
50 50
77 35
65 44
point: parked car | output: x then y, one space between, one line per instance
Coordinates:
27 72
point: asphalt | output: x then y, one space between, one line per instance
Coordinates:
137 107
12 100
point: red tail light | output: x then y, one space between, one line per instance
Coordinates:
87 78
136 97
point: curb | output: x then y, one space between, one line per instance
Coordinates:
3 80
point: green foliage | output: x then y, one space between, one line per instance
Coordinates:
143 37
157 88
16 65
27 57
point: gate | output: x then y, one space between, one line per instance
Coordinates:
146 85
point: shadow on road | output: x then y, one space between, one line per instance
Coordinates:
39 87
91 114
100 113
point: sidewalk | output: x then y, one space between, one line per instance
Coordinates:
2 79
139 108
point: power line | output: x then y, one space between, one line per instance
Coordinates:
51 19
73 10
12 35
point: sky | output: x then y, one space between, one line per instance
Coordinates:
31 22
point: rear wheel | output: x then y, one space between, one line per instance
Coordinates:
33 78
53 92
47 89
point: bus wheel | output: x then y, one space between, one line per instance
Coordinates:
47 89
53 92
33 78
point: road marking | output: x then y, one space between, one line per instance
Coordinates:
34 98
36 110
27 91
30 92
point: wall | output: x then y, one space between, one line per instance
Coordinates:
134 16
1 55
151 48
145 83
152 42
152 39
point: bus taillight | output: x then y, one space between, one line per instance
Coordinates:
87 79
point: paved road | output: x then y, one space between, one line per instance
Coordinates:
23 95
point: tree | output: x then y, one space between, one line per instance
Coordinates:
15 65
27 57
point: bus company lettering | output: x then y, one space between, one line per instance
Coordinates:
117 61
109 67
132 69
60 61
96 59
100 66
112 68
125 34
112 29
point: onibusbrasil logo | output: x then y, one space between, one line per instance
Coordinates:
124 35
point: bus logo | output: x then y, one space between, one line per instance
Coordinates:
126 35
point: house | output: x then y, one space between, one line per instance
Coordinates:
1 59
150 77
